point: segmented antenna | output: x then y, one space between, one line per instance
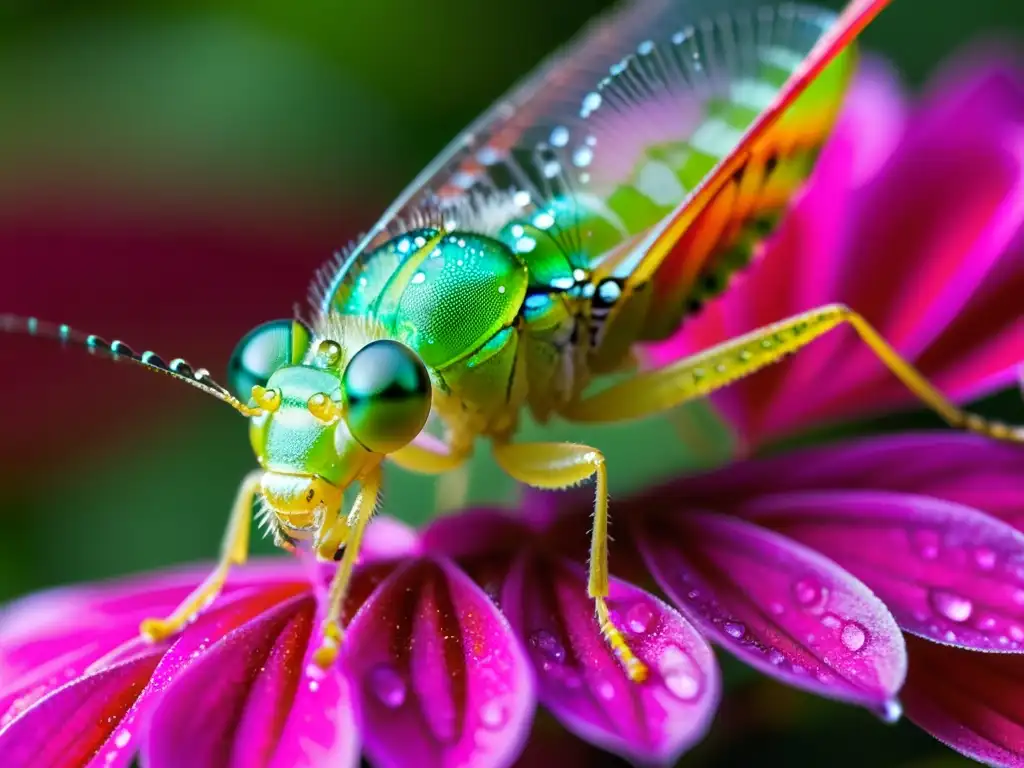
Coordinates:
117 350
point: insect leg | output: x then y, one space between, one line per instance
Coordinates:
358 518
560 465
234 551
656 391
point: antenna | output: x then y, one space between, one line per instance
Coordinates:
117 350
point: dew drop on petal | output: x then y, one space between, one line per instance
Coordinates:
388 686
987 623
831 621
606 690
494 714
677 672
777 608
734 629
547 646
776 657
890 711
952 606
1016 633
927 544
853 637
810 594
985 558
639 618
122 739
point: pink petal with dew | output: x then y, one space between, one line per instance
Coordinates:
70 726
778 606
973 702
966 469
947 572
582 682
228 613
235 704
440 677
49 624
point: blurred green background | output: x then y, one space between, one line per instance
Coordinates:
172 175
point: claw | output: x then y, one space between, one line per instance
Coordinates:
155 630
325 655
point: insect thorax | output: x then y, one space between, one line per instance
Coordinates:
497 326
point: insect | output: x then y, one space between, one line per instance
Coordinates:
596 206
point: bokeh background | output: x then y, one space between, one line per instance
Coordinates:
172 173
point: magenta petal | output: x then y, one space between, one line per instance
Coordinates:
778 605
582 682
70 726
231 706
947 572
967 469
973 702
442 679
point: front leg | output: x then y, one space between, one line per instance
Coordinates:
234 551
560 465
354 526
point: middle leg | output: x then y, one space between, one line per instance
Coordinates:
560 465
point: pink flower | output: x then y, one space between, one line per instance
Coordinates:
806 566
913 218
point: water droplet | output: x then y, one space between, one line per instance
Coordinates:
606 690
678 673
777 608
559 136
776 657
639 618
122 739
388 686
853 637
831 621
890 712
582 156
1016 633
590 102
734 629
927 544
987 623
1018 596
985 558
547 646
418 278
810 594
952 606
494 714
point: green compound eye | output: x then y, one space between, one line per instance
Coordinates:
262 351
387 393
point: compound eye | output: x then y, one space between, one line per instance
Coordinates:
262 351
387 393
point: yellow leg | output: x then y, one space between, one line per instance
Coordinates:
429 456
234 551
358 518
701 374
559 465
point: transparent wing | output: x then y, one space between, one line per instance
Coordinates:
622 140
